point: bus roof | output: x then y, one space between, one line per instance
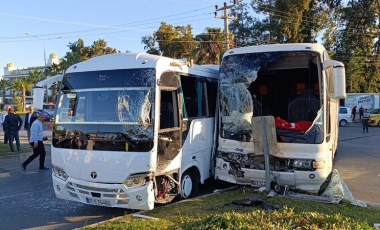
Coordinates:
277 47
141 60
116 61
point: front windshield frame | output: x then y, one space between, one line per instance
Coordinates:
238 101
118 117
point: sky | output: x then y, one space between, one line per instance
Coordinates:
31 28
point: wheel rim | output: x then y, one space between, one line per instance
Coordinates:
343 123
187 186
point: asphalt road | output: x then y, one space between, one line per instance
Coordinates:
27 200
358 160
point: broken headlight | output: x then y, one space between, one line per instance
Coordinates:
303 164
136 180
60 173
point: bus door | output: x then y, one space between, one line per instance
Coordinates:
169 134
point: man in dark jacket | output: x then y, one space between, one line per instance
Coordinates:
29 119
12 125
2 119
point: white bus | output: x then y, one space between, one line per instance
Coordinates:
132 130
299 87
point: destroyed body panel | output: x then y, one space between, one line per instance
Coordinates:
291 83
132 130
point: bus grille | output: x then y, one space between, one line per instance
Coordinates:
76 189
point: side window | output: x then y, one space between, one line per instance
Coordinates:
195 96
212 87
169 110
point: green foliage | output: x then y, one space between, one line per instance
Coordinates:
216 211
211 46
80 52
356 46
247 29
150 45
292 21
175 41
5 151
283 219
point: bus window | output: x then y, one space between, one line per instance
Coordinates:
169 111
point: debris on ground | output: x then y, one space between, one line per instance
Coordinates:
255 202
335 187
144 216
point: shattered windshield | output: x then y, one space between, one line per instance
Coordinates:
236 104
284 85
118 117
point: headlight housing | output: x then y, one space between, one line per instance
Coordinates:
136 180
303 164
60 173
307 164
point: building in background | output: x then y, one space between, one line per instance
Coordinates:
12 73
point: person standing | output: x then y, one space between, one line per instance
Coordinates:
361 112
365 120
353 113
12 125
36 141
2 119
30 117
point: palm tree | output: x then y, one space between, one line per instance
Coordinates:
35 76
23 84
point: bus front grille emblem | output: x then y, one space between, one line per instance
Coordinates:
94 175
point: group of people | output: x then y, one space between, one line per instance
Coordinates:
12 123
363 117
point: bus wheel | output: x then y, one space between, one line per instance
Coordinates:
189 185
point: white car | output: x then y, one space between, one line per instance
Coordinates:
344 116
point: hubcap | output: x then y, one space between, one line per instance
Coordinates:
187 186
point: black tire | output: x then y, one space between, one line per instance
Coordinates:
343 123
189 184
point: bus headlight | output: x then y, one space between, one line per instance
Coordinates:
136 180
306 164
60 173
303 164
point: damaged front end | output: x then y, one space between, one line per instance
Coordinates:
282 85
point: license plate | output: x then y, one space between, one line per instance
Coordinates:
99 202
258 183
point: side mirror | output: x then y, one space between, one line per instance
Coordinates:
338 90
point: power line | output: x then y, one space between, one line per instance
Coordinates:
121 27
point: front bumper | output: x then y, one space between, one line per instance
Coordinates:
303 180
109 195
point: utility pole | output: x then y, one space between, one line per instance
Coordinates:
45 67
225 16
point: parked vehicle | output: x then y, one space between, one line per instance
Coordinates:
344 116
300 87
374 118
132 130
